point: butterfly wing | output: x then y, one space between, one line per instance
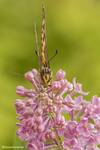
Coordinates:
45 70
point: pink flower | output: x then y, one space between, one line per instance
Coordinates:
60 74
78 88
58 116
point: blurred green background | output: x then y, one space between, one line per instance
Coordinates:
73 27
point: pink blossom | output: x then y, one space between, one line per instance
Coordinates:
58 116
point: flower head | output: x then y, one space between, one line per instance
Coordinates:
57 116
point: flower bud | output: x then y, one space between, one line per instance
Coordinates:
60 74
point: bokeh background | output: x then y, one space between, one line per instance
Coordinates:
73 27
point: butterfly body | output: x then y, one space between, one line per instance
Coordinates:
44 66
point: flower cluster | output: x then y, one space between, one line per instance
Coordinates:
57 117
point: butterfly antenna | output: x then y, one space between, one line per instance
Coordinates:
53 55
36 40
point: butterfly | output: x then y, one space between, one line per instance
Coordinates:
44 65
